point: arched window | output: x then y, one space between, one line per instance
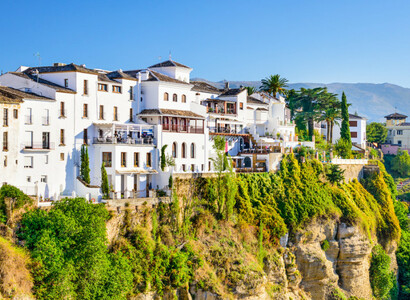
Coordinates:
183 150
192 150
174 97
183 99
174 150
166 97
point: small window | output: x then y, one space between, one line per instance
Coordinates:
192 150
43 178
131 115
192 168
166 97
85 87
61 156
103 87
136 159
399 132
62 110
107 159
209 165
353 123
85 110
101 114
123 159
149 160
202 167
353 134
183 99
66 83
62 137
5 141
174 150
183 150
5 117
116 89
5 161
175 98
240 105
15 113
85 136
183 167
131 93
28 178
115 113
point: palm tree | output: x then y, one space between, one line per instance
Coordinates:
331 111
274 84
251 90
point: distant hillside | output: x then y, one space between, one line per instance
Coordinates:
372 101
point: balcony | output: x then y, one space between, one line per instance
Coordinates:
28 119
37 146
124 141
46 121
182 128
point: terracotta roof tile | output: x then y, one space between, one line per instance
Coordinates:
396 116
200 86
170 112
18 96
169 63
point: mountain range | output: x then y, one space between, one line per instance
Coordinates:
370 100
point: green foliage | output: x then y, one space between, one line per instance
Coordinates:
170 182
403 260
274 84
105 187
251 90
381 278
401 163
376 133
343 148
345 128
166 160
68 247
85 164
335 174
325 245
18 199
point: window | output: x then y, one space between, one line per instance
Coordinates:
107 159
183 150
148 159
399 132
192 167
175 98
85 92
5 161
353 134
5 141
399 142
183 99
85 136
131 115
174 150
202 167
136 159
166 97
103 87
43 178
192 150
131 93
46 140
5 117
66 83
240 105
15 113
28 162
116 89
209 165
353 123
115 113
123 159
28 178
28 118
46 117
62 110
183 168
85 110
62 137
61 156
101 113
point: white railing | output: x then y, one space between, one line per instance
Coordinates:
341 161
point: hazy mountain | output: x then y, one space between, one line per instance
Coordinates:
372 101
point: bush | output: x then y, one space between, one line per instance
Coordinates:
401 163
19 199
325 245
381 278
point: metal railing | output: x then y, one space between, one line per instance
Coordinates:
132 141
182 128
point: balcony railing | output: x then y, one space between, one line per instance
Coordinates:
38 146
46 121
131 141
28 120
182 128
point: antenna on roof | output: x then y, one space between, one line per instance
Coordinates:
170 55
39 58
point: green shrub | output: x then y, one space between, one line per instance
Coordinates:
381 278
325 245
19 199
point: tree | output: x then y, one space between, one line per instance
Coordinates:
335 174
343 148
85 164
401 163
251 90
274 84
163 157
345 129
381 278
376 133
105 188
330 108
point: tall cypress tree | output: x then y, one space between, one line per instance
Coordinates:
345 130
105 188
85 164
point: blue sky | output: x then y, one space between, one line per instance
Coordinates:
304 41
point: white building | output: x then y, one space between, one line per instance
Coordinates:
125 118
357 131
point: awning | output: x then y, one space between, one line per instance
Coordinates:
136 171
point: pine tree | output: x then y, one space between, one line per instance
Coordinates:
105 188
85 164
345 130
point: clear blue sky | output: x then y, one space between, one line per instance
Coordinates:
304 41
